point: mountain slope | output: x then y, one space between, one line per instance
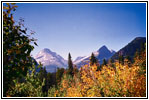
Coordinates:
102 53
78 58
131 48
50 60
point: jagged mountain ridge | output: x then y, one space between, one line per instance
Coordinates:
102 53
50 60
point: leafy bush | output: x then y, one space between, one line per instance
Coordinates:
30 87
123 80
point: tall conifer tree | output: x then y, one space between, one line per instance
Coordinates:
104 62
70 65
93 60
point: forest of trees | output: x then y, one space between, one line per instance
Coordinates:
119 78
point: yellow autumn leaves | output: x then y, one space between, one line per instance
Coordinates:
120 81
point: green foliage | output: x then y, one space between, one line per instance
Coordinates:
59 74
31 87
51 92
42 75
51 79
60 91
16 48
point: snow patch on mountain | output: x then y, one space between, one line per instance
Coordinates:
96 53
50 60
79 60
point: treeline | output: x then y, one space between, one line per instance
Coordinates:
120 78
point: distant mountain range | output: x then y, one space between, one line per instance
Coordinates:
102 53
52 60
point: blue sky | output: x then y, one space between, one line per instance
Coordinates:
81 28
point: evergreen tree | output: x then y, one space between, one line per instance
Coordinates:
93 60
104 62
42 73
49 80
70 65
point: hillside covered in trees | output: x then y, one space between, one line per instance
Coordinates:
119 78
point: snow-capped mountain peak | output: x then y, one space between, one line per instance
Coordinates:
102 53
50 60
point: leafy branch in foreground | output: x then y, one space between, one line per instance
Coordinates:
16 48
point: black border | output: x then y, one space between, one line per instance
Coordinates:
79 97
